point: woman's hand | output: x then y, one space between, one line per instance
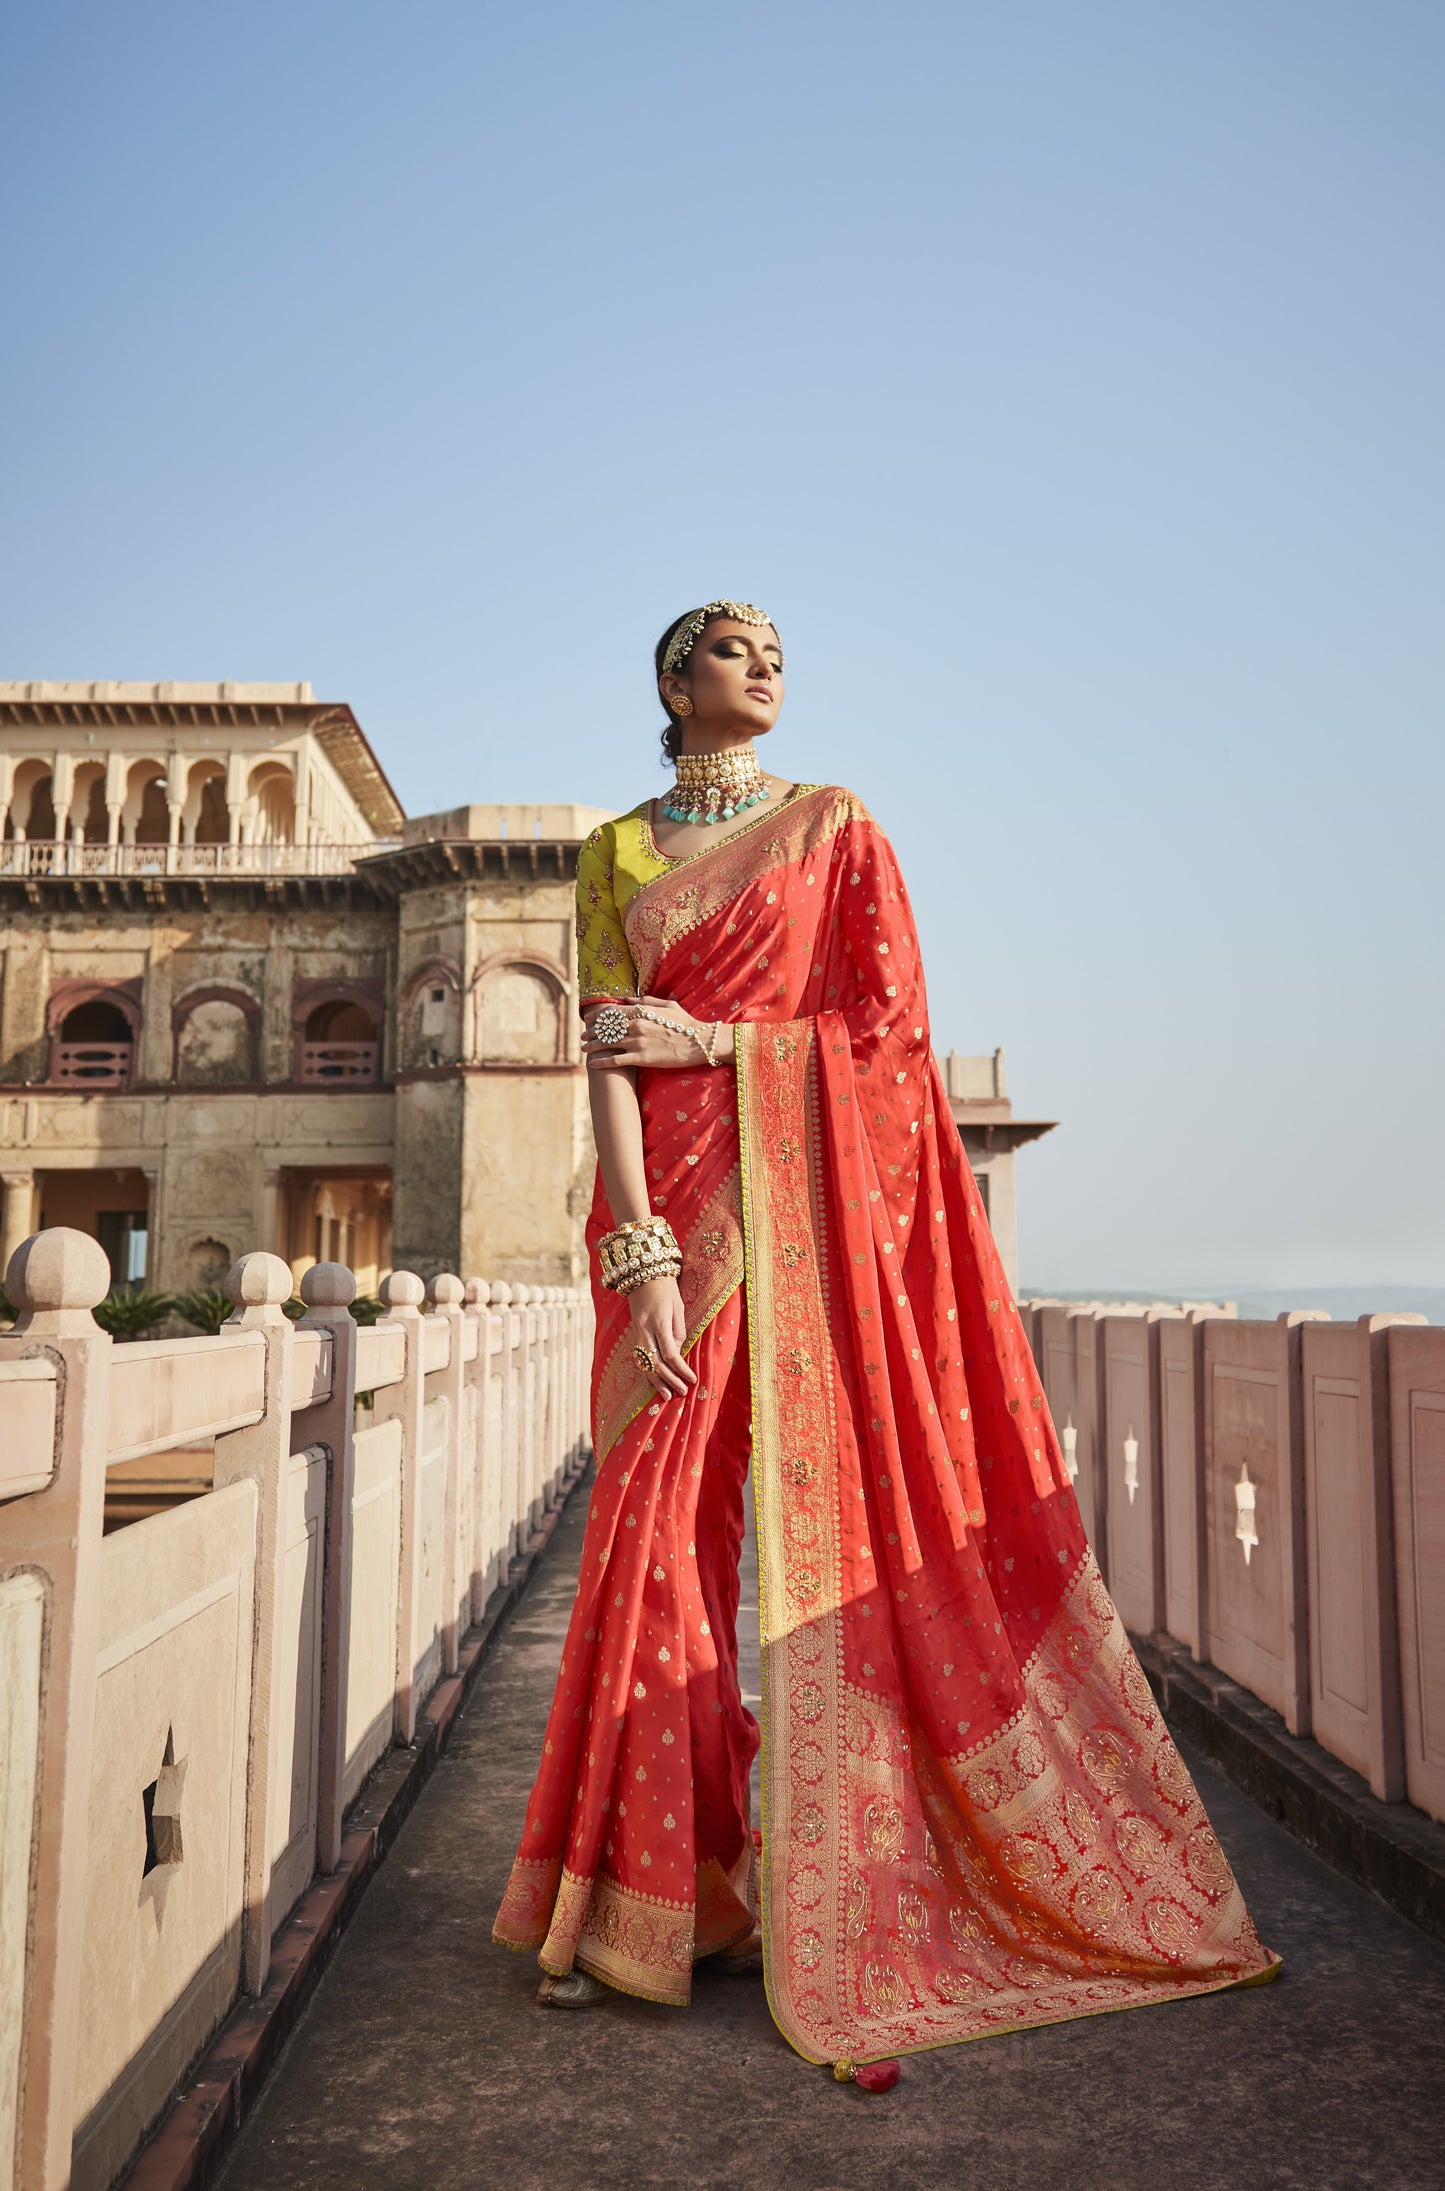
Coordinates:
659 1326
646 1043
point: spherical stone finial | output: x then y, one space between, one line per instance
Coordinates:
522 1295
402 1289
328 1286
55 1279
258 1283
478 1293
446 1291
501 1294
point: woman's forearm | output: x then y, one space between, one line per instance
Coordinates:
617 1130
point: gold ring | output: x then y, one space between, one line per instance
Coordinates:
611 1027
645 1359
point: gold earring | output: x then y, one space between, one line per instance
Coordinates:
681 705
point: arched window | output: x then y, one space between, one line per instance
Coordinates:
272 805
153 819
207 1262
430 1030
519 1007
87 808
32 808
93 1045
340 1044
215 1040
213 821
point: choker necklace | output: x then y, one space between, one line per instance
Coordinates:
713 787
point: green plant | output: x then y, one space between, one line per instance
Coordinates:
204 1306
365 1310
128 1311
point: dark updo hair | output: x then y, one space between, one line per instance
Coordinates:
672 734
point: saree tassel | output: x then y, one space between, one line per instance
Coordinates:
873 2076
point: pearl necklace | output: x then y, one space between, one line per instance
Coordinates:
713 787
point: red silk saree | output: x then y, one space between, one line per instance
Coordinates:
974 1819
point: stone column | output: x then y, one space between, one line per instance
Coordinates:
235 794
301 793
175 806
53 1536
62 792
15 1222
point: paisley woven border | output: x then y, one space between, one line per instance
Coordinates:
673 904
1065 1869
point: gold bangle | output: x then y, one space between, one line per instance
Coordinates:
642 1248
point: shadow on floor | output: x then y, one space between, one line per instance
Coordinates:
423 2064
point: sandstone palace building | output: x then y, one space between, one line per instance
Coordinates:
246 1002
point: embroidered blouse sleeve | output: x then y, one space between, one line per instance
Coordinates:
604 963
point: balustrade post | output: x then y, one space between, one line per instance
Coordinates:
446 1295
530 1505
583 1402
542 1311
567 1367
485 1541
550 1390
258 1284
50 1567
328 1289
403 1293
509 1420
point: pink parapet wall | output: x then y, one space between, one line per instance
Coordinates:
1270 1494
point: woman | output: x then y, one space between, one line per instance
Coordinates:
973 1817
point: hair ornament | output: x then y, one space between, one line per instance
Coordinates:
688 632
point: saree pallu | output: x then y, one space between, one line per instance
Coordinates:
974 1819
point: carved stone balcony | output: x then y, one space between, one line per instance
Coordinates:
45 857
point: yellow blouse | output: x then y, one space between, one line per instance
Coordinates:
613 865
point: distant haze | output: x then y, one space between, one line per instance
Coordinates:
1066 380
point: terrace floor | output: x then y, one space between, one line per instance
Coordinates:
424 2065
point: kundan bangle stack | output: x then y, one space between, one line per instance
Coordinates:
643 1248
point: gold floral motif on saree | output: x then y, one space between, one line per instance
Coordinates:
707 1281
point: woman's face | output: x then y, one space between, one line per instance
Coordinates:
734 679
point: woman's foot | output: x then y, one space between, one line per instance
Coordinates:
743 1961
578 1989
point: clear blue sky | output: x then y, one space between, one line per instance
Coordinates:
1065 378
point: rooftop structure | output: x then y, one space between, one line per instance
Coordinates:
116 780
978 1097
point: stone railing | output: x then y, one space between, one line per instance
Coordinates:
1272 1495
189 1705
44 856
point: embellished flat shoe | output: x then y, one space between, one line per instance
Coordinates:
578 1989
